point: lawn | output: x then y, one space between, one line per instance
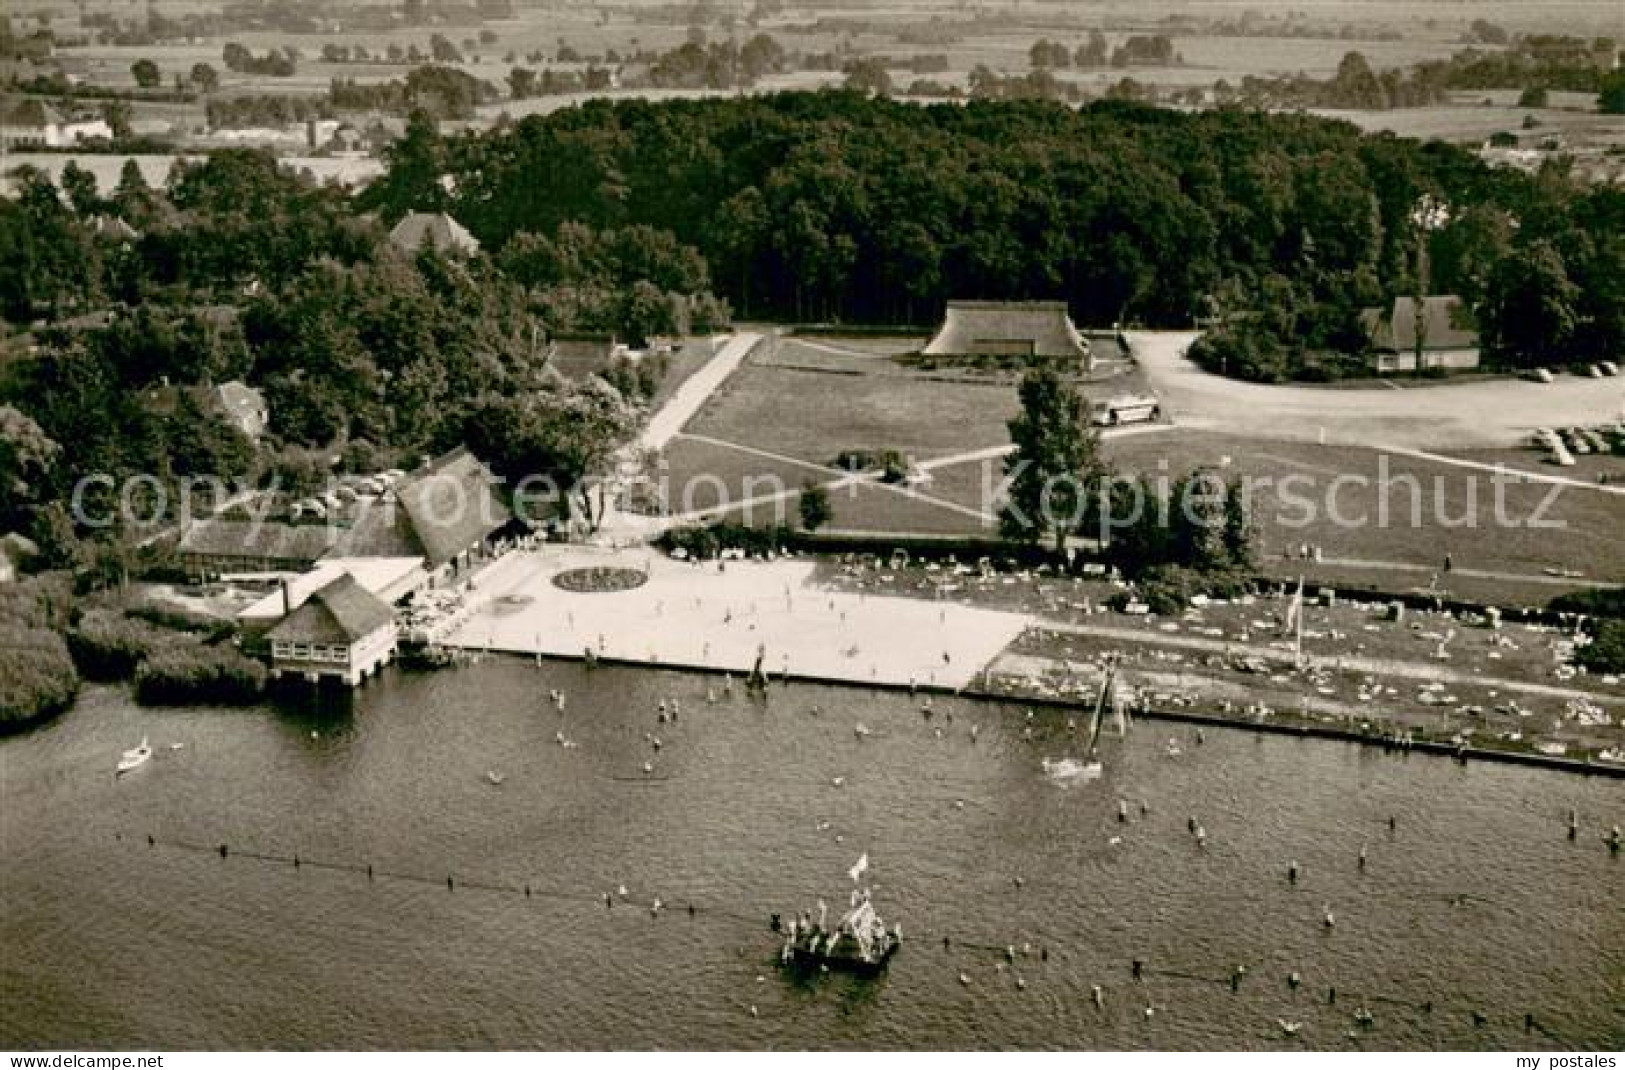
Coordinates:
1415 528
706 476
814 416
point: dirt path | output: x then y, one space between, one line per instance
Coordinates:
1495 413
680 408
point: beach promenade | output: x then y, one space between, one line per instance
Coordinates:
695 616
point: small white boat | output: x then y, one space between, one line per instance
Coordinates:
135 757
495 777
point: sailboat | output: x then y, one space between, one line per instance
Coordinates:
1093 768
134 757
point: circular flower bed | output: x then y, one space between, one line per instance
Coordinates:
601 580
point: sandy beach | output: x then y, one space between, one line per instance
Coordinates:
700 616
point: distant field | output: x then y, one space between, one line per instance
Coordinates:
1469 121
155 169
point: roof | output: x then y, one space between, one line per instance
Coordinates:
341 611
17 549
240 400
437 512
983 328
438 229
271 539
1447 324
389 578
111 226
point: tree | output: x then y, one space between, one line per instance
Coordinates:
1093 54
146 73
521 83
814 506
1056 471
1240 529
1611 94
205 77
26 457
1528 317
80 186
868 75
117 115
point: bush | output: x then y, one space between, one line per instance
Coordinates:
37 676
1241 353
1606 651
43 601
109 646
191 672
1168 589
814 506
1593 603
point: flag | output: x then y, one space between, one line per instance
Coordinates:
1294 608
857 869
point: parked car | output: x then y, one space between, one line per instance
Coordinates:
1538 375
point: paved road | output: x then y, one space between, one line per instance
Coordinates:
1494 413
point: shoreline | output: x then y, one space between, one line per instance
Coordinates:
1331 733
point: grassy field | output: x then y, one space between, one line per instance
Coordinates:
705 476
814 416
1413 528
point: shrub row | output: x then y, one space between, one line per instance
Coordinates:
181 619
706 543
109 646
192 672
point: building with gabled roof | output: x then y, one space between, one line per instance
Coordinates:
1437 332
446 512
222 546
342 631
437 229
243 407
1034 329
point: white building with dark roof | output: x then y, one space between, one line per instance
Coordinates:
1438 332
342 632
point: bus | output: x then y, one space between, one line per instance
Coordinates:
1125 409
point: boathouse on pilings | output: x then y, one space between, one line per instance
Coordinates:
342 632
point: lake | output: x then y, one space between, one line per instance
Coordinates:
1475 901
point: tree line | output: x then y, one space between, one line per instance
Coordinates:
842 206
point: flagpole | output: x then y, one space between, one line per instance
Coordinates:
1298 642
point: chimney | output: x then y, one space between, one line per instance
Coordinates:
287 601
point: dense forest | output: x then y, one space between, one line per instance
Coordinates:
636 219
838 206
